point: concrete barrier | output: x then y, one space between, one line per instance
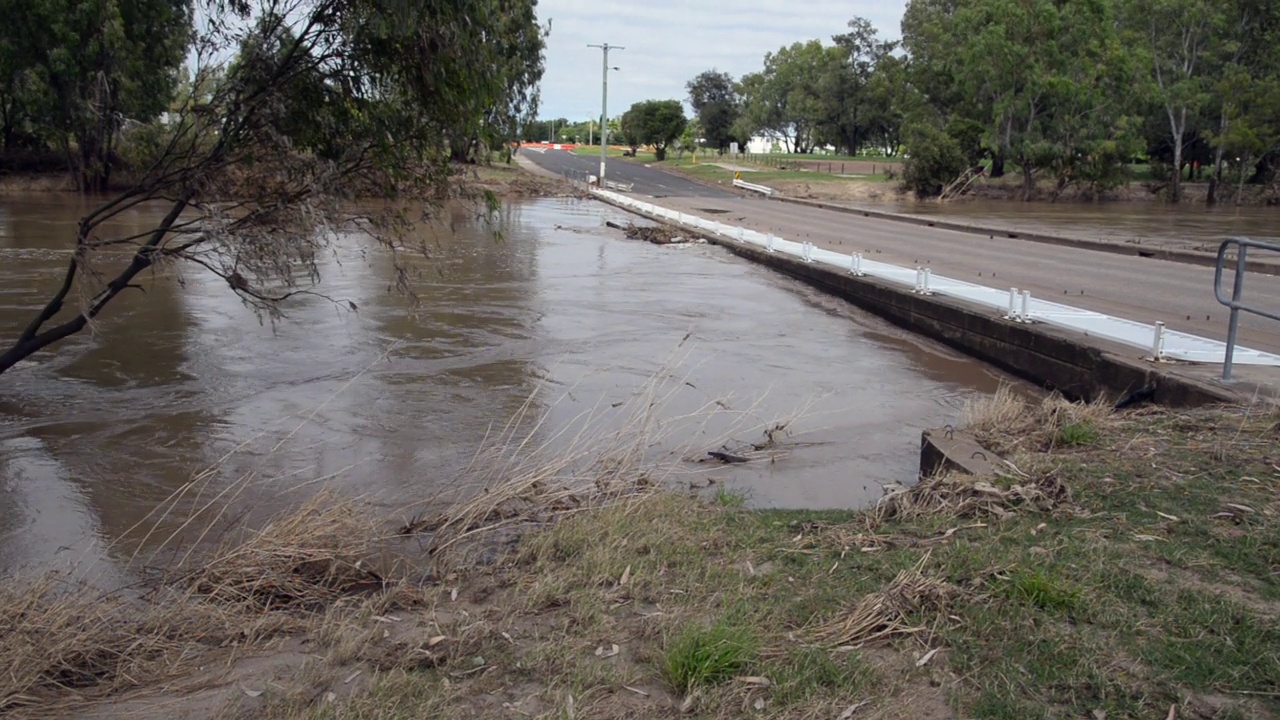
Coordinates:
740 183
946 450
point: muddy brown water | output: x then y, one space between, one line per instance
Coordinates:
392 405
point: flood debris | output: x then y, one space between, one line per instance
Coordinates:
656 234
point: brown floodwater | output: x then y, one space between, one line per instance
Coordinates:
1187 225
391 403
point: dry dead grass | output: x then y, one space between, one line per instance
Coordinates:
1007 423
891 613
67 642
304 560
957 495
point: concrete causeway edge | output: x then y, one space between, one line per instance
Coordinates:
1046 356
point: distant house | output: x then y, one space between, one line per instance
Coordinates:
761 144
769 143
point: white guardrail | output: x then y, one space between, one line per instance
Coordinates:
739 182
1016 305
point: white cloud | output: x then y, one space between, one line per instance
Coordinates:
668 42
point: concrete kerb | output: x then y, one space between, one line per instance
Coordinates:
1046 356
1190 257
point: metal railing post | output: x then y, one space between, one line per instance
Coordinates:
1157 342
1237 294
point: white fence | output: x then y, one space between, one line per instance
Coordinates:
1014 304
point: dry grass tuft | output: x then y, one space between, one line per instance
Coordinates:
66 642
957 495
1007 423
61 638
304 560
992 416
890 613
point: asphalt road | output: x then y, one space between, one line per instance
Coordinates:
647 181
1136 288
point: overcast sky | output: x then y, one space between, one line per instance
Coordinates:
668 42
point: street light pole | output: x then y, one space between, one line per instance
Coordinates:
604 107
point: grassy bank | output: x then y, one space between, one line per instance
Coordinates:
1123 565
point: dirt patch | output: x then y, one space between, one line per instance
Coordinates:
851 191
1236 589
512 181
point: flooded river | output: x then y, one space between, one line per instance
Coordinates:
391 402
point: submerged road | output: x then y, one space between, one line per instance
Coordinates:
1140 289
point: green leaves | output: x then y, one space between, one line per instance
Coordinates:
654 122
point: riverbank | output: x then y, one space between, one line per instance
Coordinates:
503 180
1121 565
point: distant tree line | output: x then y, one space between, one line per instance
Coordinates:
87 84
1067 92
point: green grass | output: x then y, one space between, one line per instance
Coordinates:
699 657
729 498
830 158
1034 587
594 151
1078 433
1131 593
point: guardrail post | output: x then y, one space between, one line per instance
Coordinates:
1157 342
1233 325
919 278
1013 304
1025 314
742 234
768 242
925 285
855 264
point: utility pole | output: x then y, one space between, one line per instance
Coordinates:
604 107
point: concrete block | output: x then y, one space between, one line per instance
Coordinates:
943 450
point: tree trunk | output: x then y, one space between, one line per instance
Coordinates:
1215 178
1178 129
997 164
659 152
1243 175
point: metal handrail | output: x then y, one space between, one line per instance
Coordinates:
1235 302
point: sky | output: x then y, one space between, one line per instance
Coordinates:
668 42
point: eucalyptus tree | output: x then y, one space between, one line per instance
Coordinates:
325 101
717 105
84 69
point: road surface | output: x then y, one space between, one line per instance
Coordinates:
647 181
1136 288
